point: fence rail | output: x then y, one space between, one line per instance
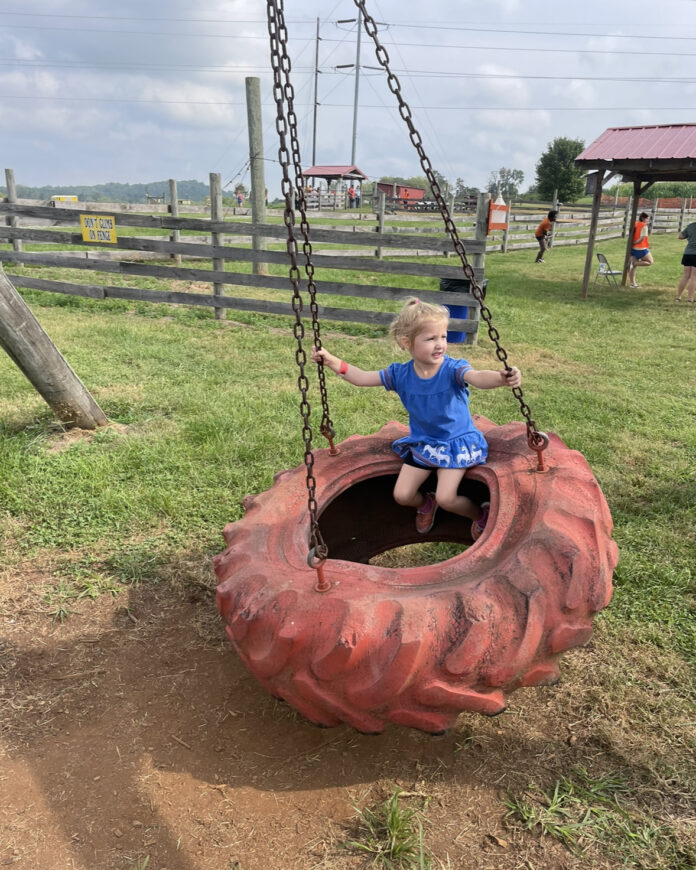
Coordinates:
218 251
357 253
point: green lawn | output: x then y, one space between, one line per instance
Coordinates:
207 412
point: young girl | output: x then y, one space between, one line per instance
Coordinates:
434 390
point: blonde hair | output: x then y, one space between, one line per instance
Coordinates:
409 321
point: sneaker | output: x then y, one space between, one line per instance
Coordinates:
425 515
479 525
540 261
634 285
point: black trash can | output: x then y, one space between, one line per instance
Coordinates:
460 312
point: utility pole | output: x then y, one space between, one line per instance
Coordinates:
316 100
357 85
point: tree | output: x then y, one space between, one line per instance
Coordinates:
505 182
462 190
443 184
556 171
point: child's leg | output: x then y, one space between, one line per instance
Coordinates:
406 488
448 480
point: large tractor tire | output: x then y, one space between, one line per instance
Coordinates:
416 646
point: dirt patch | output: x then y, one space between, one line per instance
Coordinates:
64 439
131 736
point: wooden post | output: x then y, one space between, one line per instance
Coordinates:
589 259
174 210
22 336
627 217
12 197
629 234
653 216
478 261
258 184
216 238
681 214
380 220
506 231
554 206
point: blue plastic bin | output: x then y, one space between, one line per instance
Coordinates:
461 312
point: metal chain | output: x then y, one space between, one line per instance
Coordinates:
535 438
281 68
327 428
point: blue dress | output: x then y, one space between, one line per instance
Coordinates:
442 433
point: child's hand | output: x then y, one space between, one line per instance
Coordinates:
320 354
512 378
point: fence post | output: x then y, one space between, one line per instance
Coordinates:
506 231
681 214
554 206
627 218
478 261
654 214
12 197
380 220
216 238
258 184
174 210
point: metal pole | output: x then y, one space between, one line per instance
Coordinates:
357 85
316 99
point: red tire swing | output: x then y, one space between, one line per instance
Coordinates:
342 640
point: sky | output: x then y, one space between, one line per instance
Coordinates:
145 90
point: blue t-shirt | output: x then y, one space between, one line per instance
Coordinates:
442 433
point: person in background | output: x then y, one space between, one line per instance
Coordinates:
640 250
351 197
688 260
543 234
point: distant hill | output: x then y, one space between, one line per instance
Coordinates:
195 191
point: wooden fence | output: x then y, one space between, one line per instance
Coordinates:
227 246
342 241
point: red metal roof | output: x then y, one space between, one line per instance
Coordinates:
333 172
658 142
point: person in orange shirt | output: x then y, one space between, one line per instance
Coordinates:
543 234
640 250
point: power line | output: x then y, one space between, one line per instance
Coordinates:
465 29
430 74
380 106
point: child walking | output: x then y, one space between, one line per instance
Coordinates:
434 389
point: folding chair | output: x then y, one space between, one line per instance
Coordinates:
604 270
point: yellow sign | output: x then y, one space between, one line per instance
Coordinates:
98 228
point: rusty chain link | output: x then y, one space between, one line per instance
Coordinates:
537 440
283 92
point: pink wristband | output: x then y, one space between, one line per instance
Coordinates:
343 368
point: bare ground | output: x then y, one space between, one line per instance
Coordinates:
131 736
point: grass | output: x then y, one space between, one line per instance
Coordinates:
391 836
589 814
205 412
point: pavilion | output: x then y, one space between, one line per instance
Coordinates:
643 155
